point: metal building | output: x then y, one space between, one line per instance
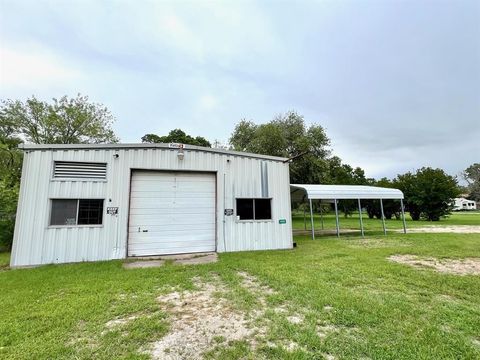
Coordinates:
100 202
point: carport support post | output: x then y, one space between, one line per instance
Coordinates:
403 217
311 219
336 218
383 218
321 213
304 219
360 215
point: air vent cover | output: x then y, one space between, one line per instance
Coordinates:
79 170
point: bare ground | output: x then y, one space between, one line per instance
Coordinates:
198 319
467 266
457 229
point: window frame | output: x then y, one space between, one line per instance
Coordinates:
49 218
253 200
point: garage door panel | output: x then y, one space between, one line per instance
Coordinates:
174 211
167 251
154 227
170 201
190 194
154 213
172 222
153 244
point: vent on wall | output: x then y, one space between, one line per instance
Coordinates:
79 170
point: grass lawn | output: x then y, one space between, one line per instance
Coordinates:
347 301
375 225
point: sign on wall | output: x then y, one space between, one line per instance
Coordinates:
228 212
282 221
112 210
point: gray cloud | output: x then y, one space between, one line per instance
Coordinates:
396 84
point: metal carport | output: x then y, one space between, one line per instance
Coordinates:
333 193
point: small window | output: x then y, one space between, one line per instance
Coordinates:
90 211
263 210
245 209
254 209
64 212
76 212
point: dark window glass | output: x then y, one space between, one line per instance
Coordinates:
64 212
263 210
90 211
254 209
245 209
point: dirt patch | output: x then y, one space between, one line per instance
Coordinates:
295 319
252 284
467 266
457 229
143 264
199 318
377 243
203 259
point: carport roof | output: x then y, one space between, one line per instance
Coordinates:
337 192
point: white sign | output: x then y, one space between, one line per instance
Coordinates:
175 146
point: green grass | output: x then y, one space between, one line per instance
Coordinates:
379 309
375 225
4 259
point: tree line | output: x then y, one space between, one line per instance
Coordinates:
428 192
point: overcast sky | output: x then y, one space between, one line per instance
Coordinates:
396 84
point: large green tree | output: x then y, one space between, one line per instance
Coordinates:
287 136
10 170
63 121
428 193
344 174
390 207
472 177
176 136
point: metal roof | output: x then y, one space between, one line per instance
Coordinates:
332 192
187 147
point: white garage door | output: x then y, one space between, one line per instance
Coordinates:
171 213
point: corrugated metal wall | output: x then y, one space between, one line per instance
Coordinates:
35 242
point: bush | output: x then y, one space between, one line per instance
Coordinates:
8 209
428 193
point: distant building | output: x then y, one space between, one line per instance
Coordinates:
464 204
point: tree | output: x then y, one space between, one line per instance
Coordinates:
472 177
287 136
390 207
428 193
176 136
8 209
65 121
339 173
10 171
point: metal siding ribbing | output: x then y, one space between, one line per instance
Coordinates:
37 243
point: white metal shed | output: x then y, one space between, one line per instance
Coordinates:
88 202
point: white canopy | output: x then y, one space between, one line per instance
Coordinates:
337 192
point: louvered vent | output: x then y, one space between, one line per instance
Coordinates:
79 170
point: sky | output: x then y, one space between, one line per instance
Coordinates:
396 84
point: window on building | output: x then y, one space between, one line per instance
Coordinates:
76 212
254 209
